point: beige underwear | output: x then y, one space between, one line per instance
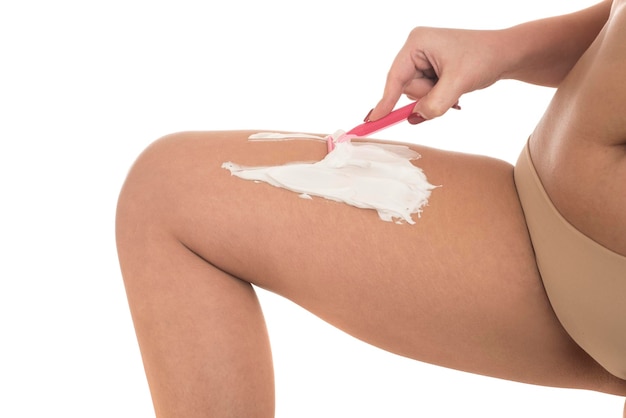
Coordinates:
585 282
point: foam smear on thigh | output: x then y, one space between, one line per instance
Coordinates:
364 175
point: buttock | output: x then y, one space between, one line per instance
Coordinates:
585 281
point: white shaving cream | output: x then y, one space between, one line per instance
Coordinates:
364 175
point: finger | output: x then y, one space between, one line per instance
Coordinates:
418 88
401 73
391 95
444 95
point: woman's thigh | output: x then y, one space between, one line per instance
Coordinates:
459 288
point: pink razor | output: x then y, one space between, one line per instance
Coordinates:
370 127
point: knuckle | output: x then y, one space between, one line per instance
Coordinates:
418 31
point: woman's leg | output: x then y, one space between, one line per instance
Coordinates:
458 289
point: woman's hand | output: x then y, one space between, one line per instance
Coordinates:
437 66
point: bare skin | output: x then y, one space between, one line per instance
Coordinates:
458 289
579 147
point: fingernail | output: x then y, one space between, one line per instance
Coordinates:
367 118
415 118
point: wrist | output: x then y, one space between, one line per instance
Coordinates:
510 52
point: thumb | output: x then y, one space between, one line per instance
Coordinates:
444 95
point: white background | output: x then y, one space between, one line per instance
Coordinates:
85 86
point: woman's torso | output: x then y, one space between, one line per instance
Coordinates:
579 147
